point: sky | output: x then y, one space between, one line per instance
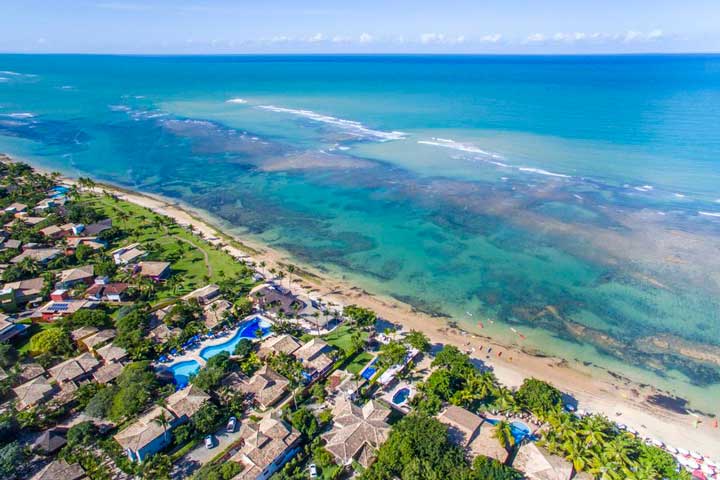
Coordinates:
368 26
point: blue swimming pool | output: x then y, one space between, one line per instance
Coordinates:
246 330
401 396
369 371
519 430
183 370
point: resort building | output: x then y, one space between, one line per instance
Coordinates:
268 444
61 470
147 435
266 386
216 312
204 295
108 373
280 344
75 369
473 433
98 227
51 440
274 299
98 339
186 402
82 333
128 254
357 431
111 353
539 464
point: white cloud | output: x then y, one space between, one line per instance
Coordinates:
318 37
572 37
440 39
535 37
366 38
655 34
280 39
494 38
341 39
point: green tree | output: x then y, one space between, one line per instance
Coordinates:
157 467
244 347
51 341
539 397
418 340
11 459
485 468
392 353
305 422
207 419
503 434
362 317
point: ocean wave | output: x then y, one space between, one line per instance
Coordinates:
644 188
21 115
237 101
119 108
709 214
351 127
463 147
540 171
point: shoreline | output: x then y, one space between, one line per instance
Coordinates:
601 391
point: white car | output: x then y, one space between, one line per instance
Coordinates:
313 470
209 442
232 423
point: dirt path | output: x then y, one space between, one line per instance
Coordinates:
208 266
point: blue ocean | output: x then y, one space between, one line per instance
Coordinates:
573 199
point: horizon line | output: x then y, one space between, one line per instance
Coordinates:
360 54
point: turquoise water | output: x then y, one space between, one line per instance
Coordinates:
246 330
182 371
400 396
519 430
574 199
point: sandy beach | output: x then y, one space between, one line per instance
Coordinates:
612 395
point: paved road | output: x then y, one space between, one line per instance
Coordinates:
200 455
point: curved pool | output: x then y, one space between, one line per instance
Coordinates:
519 430
182 371
245 330
401 396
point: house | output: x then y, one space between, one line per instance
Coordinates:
14 294
72 229
186 402
473 433
72 243
45 204
94 341
204 295
274 299
280 344
128 254
216 312
108 373
59 295
29 371
64 308
539 464
357 431
162 333
53 231
16 208
40 255
157 271
110 292
345 384
11 244
82 333
314 358
73 276
61 470
146 436
33 392
111 353
267 445
74 369
10 329
266 386
98 227
51 440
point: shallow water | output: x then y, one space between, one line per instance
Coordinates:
572 198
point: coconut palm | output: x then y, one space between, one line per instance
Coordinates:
503 434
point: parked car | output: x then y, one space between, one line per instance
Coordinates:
232 423
209 442
313 470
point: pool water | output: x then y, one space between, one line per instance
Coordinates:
519 430
369 371
246 330
182 371
401 396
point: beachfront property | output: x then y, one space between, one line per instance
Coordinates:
266 446
473 433
278 344
315 358
128 254
357 431
274 300
156 271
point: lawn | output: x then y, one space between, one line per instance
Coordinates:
195 261
358 362
341 337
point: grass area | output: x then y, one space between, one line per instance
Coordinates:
195 261
23 346
358 362
341 337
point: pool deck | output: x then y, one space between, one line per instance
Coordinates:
194 354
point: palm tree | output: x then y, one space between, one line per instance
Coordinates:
262 267
505 400
291 270
164 421
503 434
577 453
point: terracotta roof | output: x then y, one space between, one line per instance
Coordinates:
186 402
357 431
266 386
51 440
27 288
28 371
74 368
162 333
51 230
153 269
111 353
83 332
60 470
32 392
463 424
77 274
38 254
143 431
282 343
538 464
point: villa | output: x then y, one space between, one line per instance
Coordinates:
111 353
53 231
156 271
16 208
473 433
357 431
61 470
108 373
266 387
40 255
64 308
110 292
73 276
128 254
275 300
146 436
75 369
82 333
539 464
51 440
268 444
18 293
279 344
314 358
215 313
33 392
186 402
94 341
204 295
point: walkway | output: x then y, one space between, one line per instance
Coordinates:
208 266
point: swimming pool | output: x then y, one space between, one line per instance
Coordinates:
245 330
369 371
519 430
401 396
183 370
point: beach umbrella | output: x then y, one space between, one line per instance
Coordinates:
692 464
696 455
670 449
700 475
707 470
657 442
682 451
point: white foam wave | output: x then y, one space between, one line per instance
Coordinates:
463 147
644 188
709 214
119 108
237 101
679 195
21 115
540 171
351 127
